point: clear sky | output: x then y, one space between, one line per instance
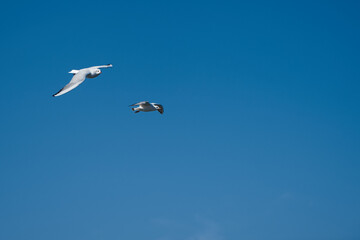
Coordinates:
259 140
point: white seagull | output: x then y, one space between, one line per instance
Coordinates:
147 107
79 77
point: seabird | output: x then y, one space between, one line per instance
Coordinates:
79 77
147 107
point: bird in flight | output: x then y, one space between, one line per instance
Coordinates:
147 107
80 76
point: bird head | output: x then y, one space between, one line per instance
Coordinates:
159 107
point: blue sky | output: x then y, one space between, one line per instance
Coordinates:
259 139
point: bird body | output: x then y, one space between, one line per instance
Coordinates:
147 107
80 76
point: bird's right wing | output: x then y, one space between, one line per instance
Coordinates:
145 103
75 81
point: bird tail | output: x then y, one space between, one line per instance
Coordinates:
135 111
74 71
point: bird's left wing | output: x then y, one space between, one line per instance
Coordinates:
145 103
103 66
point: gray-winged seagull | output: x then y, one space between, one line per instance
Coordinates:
147 107
80 76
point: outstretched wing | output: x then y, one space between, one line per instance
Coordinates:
103 66
75 81
144 103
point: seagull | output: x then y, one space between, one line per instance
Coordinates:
147 107
79 77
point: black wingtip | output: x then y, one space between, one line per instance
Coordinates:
54 95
